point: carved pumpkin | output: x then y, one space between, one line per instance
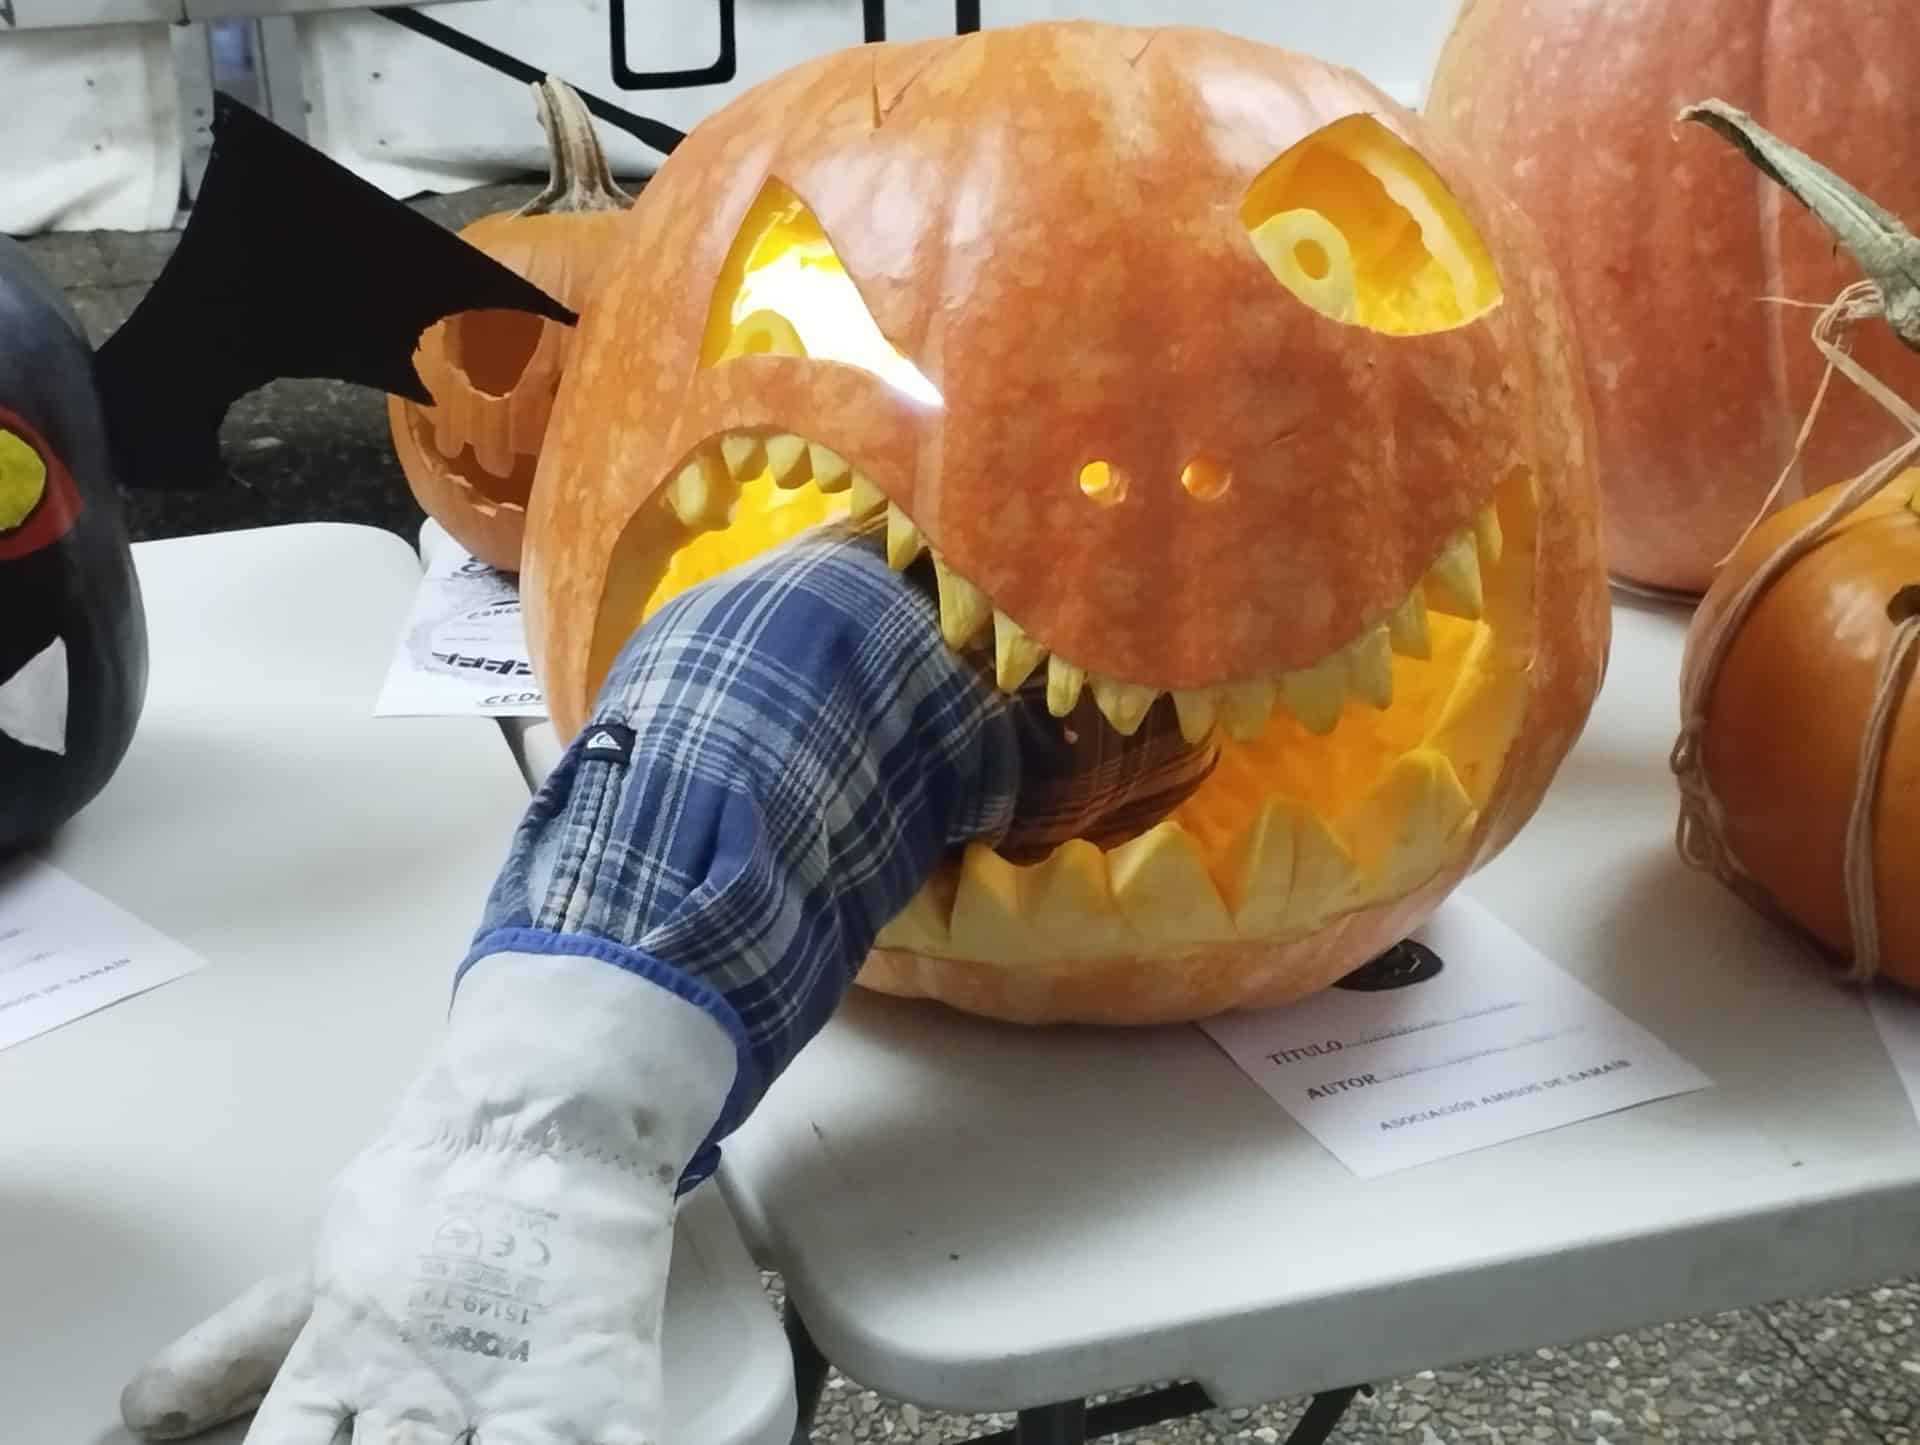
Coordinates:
73 639
1673 258
469 458
1199 379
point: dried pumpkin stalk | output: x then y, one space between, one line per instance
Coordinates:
1889 255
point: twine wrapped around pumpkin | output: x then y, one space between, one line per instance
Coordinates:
1891 257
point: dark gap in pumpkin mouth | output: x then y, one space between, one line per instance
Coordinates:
492 348
1340 785
490 491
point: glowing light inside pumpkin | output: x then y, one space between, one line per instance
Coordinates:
784 287
1205 479
1355 223
23 478
1103 483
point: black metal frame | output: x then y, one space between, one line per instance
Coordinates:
1065 1422
722 69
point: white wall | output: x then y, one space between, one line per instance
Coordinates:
412 116
97 119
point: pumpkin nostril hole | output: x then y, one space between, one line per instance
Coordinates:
492 348
1103 482
1311 257
1205 479
1904 604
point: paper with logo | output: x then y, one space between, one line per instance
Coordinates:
66 952
1463 1037
1896 1016
463 649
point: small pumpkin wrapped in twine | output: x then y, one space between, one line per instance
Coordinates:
1889 256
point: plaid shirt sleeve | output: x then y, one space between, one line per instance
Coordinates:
777 762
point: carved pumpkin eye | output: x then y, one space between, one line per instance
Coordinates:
37 499
784 290
1357 225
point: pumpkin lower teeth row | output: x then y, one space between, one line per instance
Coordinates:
1287 874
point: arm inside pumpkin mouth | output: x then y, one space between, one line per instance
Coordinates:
779 760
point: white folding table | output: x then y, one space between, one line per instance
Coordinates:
982 1217
159 1156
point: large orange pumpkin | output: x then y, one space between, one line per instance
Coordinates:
1673 254
469 458
1198 376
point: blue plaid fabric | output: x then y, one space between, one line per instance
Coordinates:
785 753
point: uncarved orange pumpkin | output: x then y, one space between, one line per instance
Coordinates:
1787 712
1673 251
1196 377
469 458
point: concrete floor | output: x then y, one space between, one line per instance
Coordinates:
1845 1368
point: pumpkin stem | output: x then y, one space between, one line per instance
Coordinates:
578 177
1887 251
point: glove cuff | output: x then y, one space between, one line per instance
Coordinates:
563 1051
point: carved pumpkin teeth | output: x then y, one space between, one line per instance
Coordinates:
1067 902
692 493
1015 655
1161 887
866 498
1370 667
744 455
1316 694
1123 704
964 609
831 473
1412 818
1195 709
1244 708
1064 682
1287 871
1486 532
904 542
1407 627
787 460
1453 581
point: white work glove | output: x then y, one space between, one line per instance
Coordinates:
496 1261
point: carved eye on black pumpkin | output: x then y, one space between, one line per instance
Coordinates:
1355 223
37 499
784 291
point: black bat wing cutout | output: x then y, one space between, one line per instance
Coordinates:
289 265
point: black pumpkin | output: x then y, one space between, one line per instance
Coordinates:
73 637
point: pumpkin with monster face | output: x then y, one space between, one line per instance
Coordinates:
1201 378
73 642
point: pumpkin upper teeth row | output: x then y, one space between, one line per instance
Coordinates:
1281 871
1362 668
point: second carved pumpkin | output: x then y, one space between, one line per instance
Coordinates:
1197 379
470 457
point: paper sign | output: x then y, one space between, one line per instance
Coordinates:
1896 1015
463 649
66 952
1469 1037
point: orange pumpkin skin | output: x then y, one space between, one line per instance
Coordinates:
1045 220
1670 246
1788 711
